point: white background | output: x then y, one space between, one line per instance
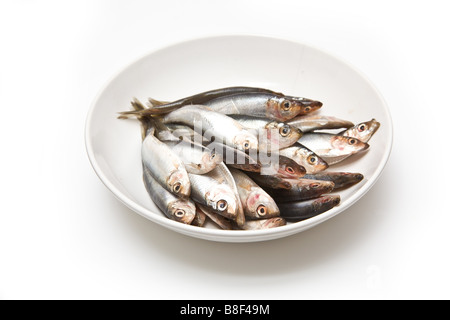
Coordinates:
63 235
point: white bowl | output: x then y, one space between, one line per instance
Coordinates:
199 65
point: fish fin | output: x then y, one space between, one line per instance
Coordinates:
155 103
137 107
128 114
138 112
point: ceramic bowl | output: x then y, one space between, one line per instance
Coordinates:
194 66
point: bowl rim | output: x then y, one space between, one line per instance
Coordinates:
236 235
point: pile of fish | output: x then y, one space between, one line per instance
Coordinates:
245 158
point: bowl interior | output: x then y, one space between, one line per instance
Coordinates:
199 65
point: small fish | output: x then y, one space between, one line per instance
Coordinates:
362 131
167 168
214 124
273 135
305 157
327 145
313 122
265 105
341 180
217 190
175 208
224 172
256 202
196 158
302 189
240 100
264 223
301 210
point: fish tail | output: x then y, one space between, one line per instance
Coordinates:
139 110
128 114
139 113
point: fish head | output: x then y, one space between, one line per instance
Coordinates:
223 200
322 186
179 183
288 134
182 211
288 168
327 202
277 135
348 145
363 131
260 205
311 161
210 159
286 107
245 141
304 105
284 134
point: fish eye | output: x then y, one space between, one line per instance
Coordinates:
361 127
290 170
177 187
312 160
315 185
286 105
352 141
179 213
307 109
285 130
246 145
222 205
261 210
213 155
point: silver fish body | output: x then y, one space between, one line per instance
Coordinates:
214 124
239 100
256 202
175 208
196 158
327 145
313 122
167 168
264 223
184 132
